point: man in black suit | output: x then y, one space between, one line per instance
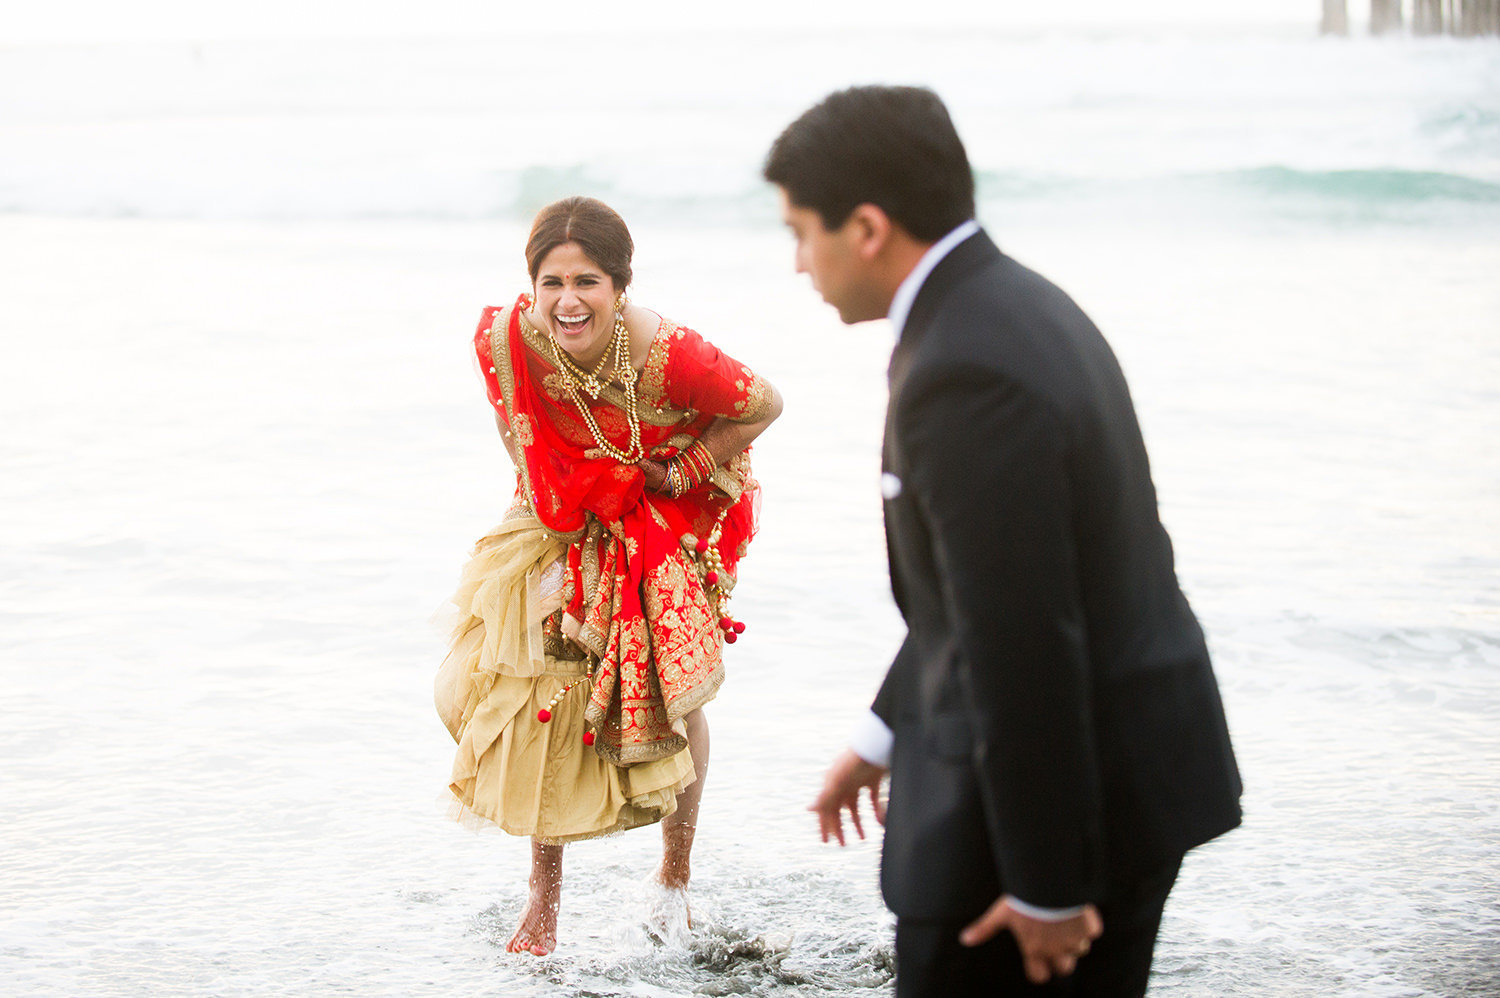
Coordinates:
1051 725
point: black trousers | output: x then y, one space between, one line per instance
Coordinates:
931 963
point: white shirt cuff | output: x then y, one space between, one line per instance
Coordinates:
1045 914
871 739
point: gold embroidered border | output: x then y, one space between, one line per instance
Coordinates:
725 481
613 394
639 752
653 384
520 511
557 645
505 377
588 636
756 405
699 695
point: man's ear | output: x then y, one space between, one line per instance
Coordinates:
871 229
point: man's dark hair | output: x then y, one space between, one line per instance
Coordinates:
893 147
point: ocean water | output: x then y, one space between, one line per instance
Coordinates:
244 454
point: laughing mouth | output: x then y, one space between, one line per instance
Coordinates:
572 323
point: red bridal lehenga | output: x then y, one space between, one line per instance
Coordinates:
596 604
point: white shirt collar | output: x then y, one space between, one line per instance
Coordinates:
906 294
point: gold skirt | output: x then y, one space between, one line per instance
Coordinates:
512 770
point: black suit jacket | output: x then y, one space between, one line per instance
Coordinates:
1057 724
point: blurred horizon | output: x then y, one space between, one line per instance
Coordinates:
95 22
1156 127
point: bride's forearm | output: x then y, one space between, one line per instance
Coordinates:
725 438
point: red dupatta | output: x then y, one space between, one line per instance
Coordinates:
635 596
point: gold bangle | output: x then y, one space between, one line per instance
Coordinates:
701 460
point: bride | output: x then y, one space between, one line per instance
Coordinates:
593 619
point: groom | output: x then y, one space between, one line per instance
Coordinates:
1051 725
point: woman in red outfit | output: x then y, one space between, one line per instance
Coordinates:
593 619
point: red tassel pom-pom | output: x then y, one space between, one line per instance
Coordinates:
725 624
709 578
588 738
702 545
731 637
739 627
544 715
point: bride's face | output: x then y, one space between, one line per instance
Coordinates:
575 301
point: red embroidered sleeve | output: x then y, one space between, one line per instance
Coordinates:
703 378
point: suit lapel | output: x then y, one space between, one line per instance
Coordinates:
965 258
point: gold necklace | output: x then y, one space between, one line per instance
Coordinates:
588 379
624 373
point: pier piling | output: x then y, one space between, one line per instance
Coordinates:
1385 16
1427 17
1335 17
1468 18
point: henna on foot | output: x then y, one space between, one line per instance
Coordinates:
537 933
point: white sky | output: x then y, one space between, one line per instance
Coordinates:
544 20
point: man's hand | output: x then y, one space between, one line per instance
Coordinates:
1047 948
848 775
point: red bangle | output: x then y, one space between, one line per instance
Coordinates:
703 461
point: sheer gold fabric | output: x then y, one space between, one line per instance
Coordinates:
512 770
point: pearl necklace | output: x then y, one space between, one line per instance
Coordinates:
574 377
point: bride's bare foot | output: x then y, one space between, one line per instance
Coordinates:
537 933
670 917
679 827
670 910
